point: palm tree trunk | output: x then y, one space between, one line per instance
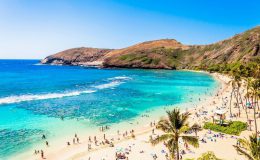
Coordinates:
238 102
241 100
244 106
231 103
177 147
247 113
255 115
257 104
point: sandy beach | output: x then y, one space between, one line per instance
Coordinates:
139 148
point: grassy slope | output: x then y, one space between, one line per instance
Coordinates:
159 54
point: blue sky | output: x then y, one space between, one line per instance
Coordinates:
35 29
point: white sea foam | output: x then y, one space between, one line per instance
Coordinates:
109 85
120 78
22 98
115 81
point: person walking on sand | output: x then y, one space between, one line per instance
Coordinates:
77 139
47 143
42 154
155 157
89 147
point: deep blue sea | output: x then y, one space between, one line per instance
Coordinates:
35 98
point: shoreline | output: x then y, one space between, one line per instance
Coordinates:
142 149
79 150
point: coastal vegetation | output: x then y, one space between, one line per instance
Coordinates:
249 69
233 128
174 127
249 148
206 156
250 75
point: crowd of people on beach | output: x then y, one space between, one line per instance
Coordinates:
200 114
94 141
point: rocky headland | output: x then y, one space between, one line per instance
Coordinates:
166 54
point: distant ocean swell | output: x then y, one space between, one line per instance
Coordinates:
112 82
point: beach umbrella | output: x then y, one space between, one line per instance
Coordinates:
119 149
152 154
220 111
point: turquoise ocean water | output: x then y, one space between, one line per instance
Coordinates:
33 98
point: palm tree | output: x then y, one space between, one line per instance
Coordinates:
237 79
255 87
231 95
196 127
174 126
256 75
236 84
249 148
247 97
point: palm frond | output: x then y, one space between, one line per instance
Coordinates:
184 128
192 140
254 146
161 138
244 143
164 125
184 117
242 152
174 117
172 147
177 120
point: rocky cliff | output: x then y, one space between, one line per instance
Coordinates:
78 56
167 53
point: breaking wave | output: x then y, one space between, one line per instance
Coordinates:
116 81
28 97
